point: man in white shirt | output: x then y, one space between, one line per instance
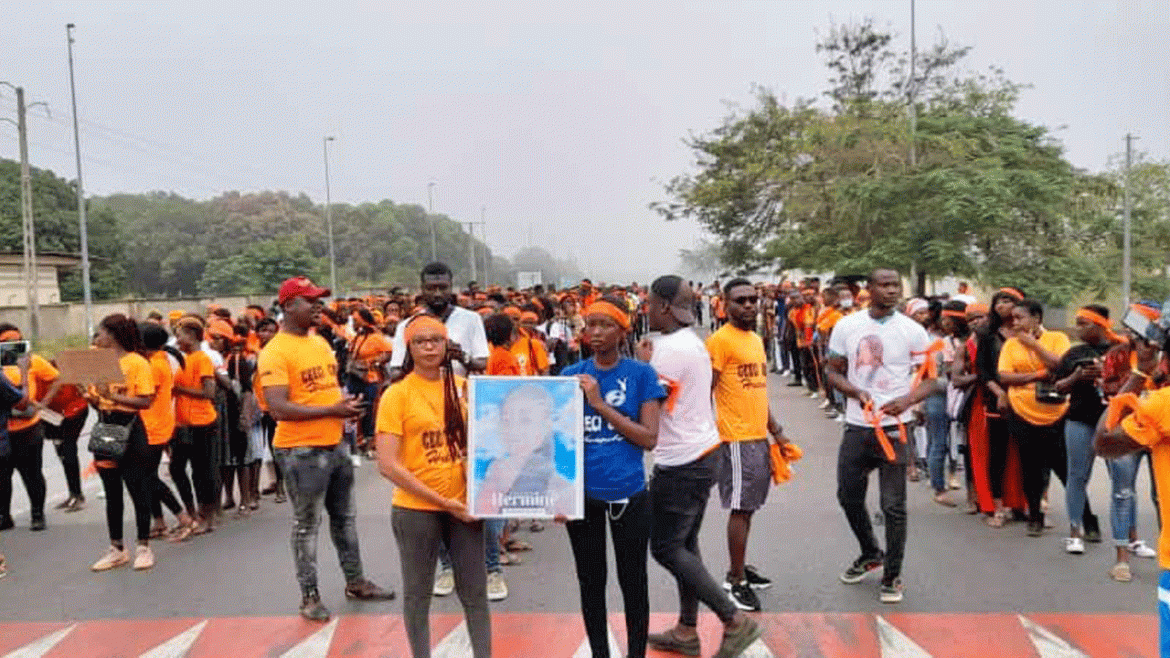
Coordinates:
685 461
464 327
872 361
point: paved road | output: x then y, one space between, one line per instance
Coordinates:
957 573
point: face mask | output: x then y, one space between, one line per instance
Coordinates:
846 302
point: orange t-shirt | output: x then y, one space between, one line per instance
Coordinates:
137 382
305 364
412 409
370 348
827 319
159 417
1151 428
525 349
1016 358
741 391
68 401
803 319
192 411
502 362
41 375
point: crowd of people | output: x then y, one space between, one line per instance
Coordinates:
962 395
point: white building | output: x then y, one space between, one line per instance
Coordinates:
13 290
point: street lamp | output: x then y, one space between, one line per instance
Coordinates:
431 217
329 222
83 223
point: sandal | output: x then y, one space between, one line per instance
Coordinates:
997 519
3 567
201 528
280 497
158 531
181 533
516 545
509 560
535 526
1121 573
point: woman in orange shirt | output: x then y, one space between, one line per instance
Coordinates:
368 352
422 449
159 419
121 404
265 330
195 417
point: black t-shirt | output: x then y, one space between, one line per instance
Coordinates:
1085 405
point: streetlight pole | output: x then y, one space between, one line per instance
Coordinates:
431 218
487 269
329 222
1127 237
28 226
82 221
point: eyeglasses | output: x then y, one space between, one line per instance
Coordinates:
429 341
753 299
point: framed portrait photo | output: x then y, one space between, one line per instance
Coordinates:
526 447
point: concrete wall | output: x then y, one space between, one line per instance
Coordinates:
62 320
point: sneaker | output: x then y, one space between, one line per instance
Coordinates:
115 557
795 383
744 597
735 642
813 395
891 592
755 579
1121 573
1074 545
1035 528
444 583
497 589
37 524
143 558
825 404
861 568
953 483
667 641
357 460
364 590
1140 549
6 523
312 609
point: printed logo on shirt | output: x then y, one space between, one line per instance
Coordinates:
435 445
752 375
617 397
673 390
315 379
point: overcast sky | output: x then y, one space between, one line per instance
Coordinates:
563 119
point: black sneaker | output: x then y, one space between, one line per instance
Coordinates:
755 579
6 523
364 590
891 592
312 609
1035 528
744 597
861 568
37 524
1093 530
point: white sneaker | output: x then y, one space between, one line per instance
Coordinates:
444 583
115 557
825 404
357 460
1140 549
814 395
497 589
1074 545
143 558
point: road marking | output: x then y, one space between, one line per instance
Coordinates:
756 649
38 648
1047 644
894 643
177 646
316 645
457 644
585 651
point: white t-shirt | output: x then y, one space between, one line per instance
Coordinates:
883 355
463 326
686 429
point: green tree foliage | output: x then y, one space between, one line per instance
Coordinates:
57 227
987 197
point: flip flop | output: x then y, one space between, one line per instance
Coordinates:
517 545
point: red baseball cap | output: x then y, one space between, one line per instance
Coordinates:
300 286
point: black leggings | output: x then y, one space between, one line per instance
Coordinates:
630 524
194 444
133 469
64 438
1042 452
27 446
998 442
161 494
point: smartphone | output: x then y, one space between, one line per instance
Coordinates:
11 351
1086 363
1144 327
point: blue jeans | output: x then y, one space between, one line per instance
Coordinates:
492 529
938 425
1123 504
1078 442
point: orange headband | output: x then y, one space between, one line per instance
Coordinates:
421 322
10 335
1147 312
1101 321
1013 293
977 309
529 316
610 311
962 315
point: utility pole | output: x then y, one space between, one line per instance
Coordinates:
1126 271
431 218
83 223
28 227
918 282
487 269
471 248
329 223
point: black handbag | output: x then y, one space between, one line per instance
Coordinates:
109 440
